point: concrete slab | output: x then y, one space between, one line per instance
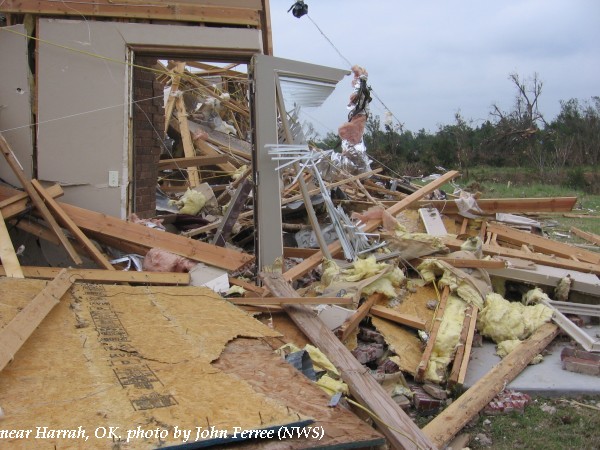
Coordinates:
546 379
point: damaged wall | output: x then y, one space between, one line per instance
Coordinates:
84 100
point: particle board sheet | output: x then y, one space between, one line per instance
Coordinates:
414 304
128 357
403 341
280 380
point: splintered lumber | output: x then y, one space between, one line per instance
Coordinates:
398 317
9 258
335 247
590 237
192 161
107 276
393 422
291 301
351 323
106 226
569 264
186 139
16 202
232 214
36 199
463 351
66 221
507 205
541 244
16 332
437 320
462 410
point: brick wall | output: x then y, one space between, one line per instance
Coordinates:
148 130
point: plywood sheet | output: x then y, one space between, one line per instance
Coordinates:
278 379
128 357
402 341
415 304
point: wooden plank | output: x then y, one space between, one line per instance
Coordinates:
232 214
454 244
507 205
473 263
186 139
175 75
590 237
17 203
107 276
541 244
437 320
462 410
310 263
132 233
66 221
18 330
176 11
248 286
192 161
9 258
36 199
290 300
463 349
399 429
295 252
352 322
395 316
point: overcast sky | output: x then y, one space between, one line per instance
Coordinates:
429 59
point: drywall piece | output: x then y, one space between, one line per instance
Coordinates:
280 380
538 274
129 357
433 221
210 277
15 100
448 423
334 316
83 132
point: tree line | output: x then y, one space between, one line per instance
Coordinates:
565 149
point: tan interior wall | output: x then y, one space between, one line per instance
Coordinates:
83 100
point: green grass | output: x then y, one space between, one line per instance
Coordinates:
569 427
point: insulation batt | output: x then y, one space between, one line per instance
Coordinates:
159 260
190 203
353 131
501 320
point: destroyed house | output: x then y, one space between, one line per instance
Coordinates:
181 269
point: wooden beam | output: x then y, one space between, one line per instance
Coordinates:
232 214
140 235
186 139
9 258
472 263
541 244
248 286
291 300
310 263
590 237
463 350
398 317
394 423
192 161
132 9
437 320
506 205
107 276
66 221
462 410
13 205
454 244
36 199
18 330
352 322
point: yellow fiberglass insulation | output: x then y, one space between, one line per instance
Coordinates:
505 347
447 339
386 284
190 203
363 268
434 241
501 320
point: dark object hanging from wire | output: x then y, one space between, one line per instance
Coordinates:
299 9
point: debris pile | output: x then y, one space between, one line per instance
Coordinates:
383 289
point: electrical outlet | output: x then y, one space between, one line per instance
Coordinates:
113 178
